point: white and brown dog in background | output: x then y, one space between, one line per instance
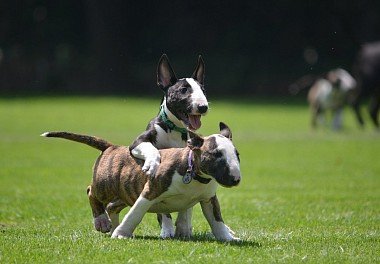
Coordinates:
185 176
328 92
331 93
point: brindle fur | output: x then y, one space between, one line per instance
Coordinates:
119 181
118 176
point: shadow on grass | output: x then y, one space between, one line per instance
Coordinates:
204 238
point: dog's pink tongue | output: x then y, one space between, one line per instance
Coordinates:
195 121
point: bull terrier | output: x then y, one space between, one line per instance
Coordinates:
183 105
185 176
331 93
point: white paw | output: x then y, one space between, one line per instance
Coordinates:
102 223
226 234
230 230
233 238
232 233
167 232
150 166
117 233
229 238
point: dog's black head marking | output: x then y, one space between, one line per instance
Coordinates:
220 159
185 98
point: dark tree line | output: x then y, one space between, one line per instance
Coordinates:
112 47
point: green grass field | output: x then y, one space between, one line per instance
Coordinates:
305 196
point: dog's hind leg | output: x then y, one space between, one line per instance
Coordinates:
211 210
113 209
101 221
183 224
166 224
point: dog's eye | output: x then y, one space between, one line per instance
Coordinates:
183 90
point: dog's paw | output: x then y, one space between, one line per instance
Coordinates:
226 234
233 239
183 234
230 230
228 238
102 223
117 233
232 236
183 231
150 167
167 232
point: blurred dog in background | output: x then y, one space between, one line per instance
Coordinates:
367 72
329 92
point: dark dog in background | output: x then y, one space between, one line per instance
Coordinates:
367 73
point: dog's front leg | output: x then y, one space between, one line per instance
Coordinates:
132 218
146 151
211 210
183 224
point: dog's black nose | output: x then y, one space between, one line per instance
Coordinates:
202 109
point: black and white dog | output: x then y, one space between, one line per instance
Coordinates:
182 106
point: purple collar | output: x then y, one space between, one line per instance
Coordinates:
191 172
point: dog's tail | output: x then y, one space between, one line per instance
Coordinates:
94 142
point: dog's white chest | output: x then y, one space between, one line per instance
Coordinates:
168 140
182 196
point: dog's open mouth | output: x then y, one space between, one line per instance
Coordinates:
193 122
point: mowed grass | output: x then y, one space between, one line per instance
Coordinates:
305 196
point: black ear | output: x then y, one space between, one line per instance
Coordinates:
165 74
225 130
195 141
199 73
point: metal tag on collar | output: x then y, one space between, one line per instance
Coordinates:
189 173
188 177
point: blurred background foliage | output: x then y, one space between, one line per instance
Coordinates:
251 48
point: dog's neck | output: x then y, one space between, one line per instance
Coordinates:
194 165
170 119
